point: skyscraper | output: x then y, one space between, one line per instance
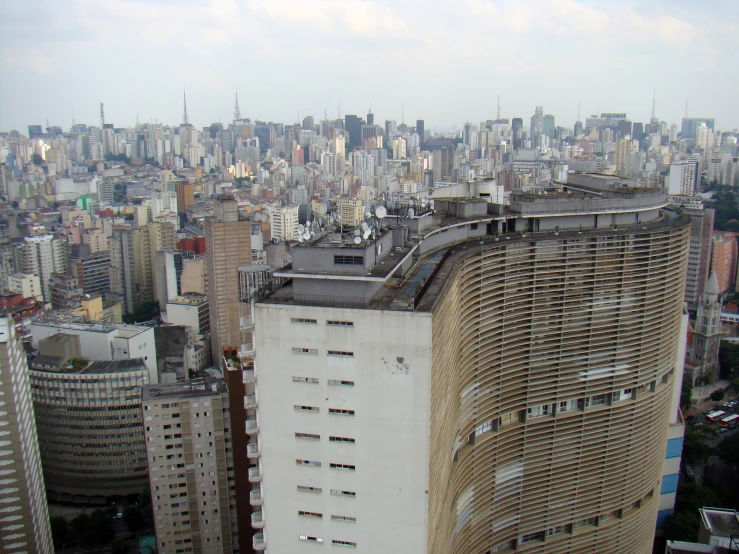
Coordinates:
420 129
548 126
690 126
227 246
44 255
458 413
537 122
185 196
24 517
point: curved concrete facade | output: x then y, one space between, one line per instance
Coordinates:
90 429
552 373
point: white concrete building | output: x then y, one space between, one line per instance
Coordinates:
284 223
105 341
681 180
26 284
44 255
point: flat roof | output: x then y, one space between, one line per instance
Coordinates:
193 388
117 366
720 522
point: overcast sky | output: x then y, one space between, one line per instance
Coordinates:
446 60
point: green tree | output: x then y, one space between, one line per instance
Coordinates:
36 159
728 450
134 518
717 395
692 497
695 450
681 526
728 356
60 530
78 363
99 529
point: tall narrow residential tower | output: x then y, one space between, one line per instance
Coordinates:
509 392
227 246
24 517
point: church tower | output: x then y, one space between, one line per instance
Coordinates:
707 331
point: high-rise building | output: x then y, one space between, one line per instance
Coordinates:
43 255
353 126
24 517
228 246
122 272
351 211
27 285
92 271
188 434
690 126
724 260
516 129
699 252
548 126
89 421
283 222
457 412
681 180
162 238
421 131
537 122
65 291
185 196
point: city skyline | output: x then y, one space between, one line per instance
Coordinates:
288 58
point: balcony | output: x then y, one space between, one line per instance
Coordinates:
252 426
255 474
250 402
257 541
257 520
249 376
252 451
255 497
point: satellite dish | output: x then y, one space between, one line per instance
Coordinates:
322 208
357 240
357 232
300 238
306 235
301 228
367 215
366 235
381 212
411 212
364 226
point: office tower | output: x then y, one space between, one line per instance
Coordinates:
188 434
707 333
624 128
442 164
284 223
161 238
163 203
185 196
353 126
351 211
106 191
92 270
65 291
24 517
89 421
167 274
548 126
623 148
370 117
537 122
681 180
43 255
690 126
724 260
516 129
421 131
457 413
122 275
228 246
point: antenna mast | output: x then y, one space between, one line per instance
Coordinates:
102 115
184 115
237 111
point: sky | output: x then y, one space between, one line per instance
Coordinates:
444 62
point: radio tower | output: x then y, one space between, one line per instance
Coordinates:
102 116
184 114
237 111
498 117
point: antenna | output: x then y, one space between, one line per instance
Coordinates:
102 115
237 111
184 114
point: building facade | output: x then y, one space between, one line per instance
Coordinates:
44 255
284 223
458 412
190 460
24 516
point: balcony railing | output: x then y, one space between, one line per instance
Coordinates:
249 376
255 497
255 474
258 541
252 451
252 426
250 402
257 520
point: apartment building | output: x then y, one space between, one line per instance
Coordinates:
190 460
454 407
24 517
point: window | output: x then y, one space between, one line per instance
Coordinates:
341 439
597 400
484 428
338 411
533 537
336 492
310 514
333 323
344 543
538 411
303 320
307 463
344 518
311 380
348 260
307 408
340 354
556 530
303 488
307 436
473 226
503 546
337 382
310 538
343 466
586 522
311 351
